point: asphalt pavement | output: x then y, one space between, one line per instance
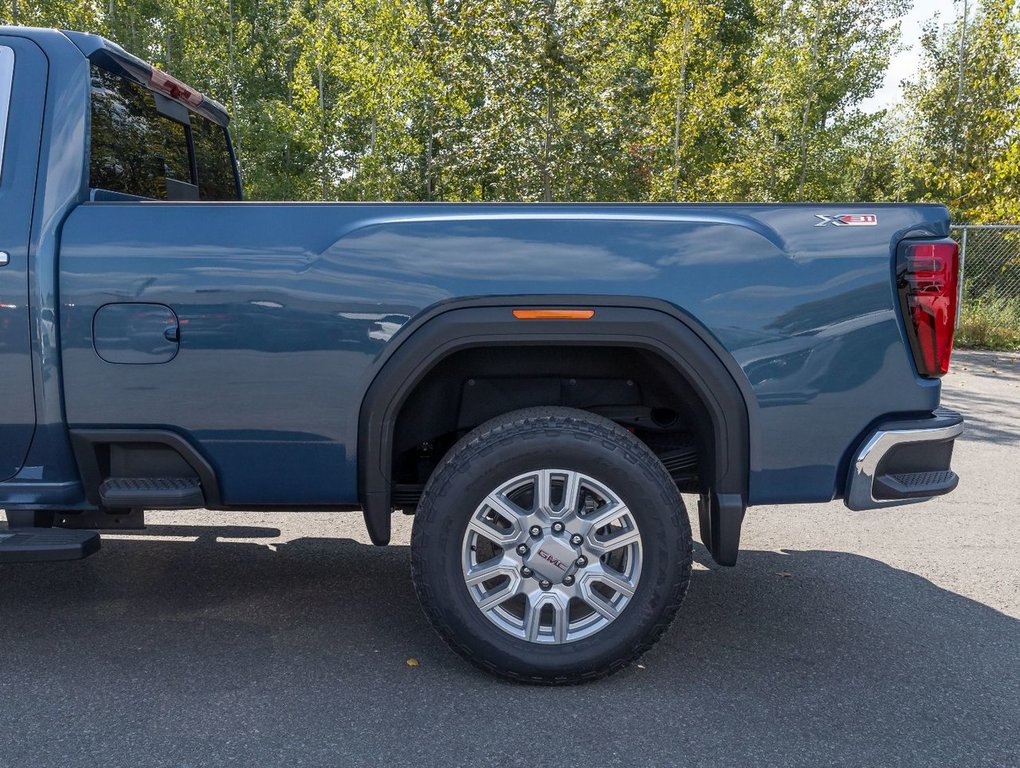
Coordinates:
876 639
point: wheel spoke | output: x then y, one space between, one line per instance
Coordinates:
500 503
613 580
543 491
600 605
490 569
561 620
609 513
614 541
571 491
532 617
507 510
498 595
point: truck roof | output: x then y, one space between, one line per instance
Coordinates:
111 56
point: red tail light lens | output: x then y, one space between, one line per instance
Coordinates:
927 276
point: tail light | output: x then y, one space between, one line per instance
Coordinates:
926 276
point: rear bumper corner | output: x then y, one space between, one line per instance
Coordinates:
904 462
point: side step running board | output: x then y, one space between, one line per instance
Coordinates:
152 493
45 545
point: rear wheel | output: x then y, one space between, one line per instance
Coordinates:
551 546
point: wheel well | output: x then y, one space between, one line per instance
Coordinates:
416 394
634 387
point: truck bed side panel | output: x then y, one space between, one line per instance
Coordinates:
284 307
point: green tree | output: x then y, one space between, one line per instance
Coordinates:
548 93
693 111
811 66
85 15
963 110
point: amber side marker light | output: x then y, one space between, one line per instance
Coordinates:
554 314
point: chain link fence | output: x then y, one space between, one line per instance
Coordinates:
989 261
989 314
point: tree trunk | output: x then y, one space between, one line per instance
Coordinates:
231 72
429 182
808 101
550 106
286 134
322 129
322 110
958 144
678 108
430 137
547 145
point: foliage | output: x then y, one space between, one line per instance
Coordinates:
588 99
962 130
990 322
809 67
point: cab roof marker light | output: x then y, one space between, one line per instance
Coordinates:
554 314
174 88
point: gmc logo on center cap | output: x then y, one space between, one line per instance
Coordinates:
555 561
847 220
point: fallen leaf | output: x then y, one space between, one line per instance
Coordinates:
412 662
784 574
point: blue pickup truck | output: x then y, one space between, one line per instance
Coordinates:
537 384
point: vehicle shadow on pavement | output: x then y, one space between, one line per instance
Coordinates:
987 418
160 652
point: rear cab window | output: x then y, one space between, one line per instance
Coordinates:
144 145
6 82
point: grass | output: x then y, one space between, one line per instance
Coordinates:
990 322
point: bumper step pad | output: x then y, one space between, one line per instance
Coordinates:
45 545
912 484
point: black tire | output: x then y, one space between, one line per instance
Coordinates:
545 438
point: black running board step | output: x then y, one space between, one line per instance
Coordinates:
915 485
152 493
45 545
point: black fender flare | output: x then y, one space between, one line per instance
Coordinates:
618 321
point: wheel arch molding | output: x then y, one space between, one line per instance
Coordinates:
651 325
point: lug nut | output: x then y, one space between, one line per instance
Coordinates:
557 527
568 580
545 584
581 561
526 572
535 531
522 549
576 539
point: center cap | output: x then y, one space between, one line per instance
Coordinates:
552 558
